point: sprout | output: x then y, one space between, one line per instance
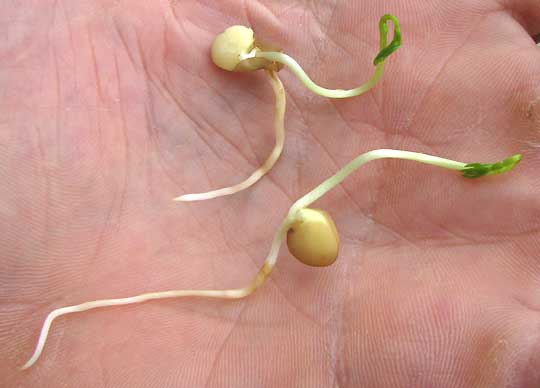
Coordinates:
237 49
311 236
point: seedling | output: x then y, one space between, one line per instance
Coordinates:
311 235
237 49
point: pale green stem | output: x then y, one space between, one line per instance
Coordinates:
304 78
359 161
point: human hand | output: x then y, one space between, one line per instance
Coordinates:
110 109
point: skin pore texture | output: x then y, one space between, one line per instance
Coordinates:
111 109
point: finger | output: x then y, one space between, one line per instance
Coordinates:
527 12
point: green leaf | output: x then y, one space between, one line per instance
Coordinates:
385 50
476 170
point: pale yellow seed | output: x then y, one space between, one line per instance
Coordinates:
230 45
314 239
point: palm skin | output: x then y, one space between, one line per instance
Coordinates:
111 109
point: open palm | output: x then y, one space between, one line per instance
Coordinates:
112 108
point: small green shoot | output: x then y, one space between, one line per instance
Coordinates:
476 170
396 41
